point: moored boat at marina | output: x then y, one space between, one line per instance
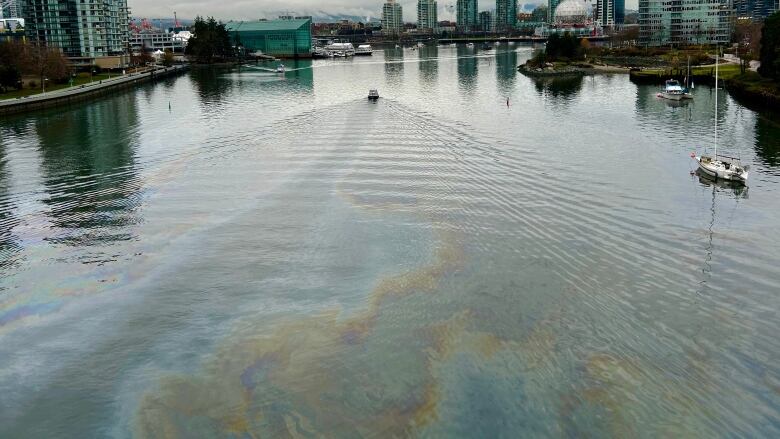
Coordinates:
341 49
672 90
720 166
364 50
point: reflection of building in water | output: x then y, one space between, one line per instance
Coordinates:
429 63
88 166
394 66
467 68
506 70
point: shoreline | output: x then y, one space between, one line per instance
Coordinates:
84 92
572 70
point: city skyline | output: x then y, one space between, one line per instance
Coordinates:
244 10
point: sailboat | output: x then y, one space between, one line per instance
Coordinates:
687 90
721 166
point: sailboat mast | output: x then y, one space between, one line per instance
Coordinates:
716 106
688 74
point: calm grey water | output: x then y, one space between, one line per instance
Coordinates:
234 253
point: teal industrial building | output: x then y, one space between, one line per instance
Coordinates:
285 38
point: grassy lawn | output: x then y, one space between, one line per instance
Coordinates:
725 71
81 78
752 81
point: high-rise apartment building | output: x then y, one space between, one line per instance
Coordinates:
426 15
685 22
551 5
755 9
80 28
9 9
608 13
506 14
467 14
486 23
392 18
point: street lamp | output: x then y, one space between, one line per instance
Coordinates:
43 84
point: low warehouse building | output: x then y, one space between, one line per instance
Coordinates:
289 38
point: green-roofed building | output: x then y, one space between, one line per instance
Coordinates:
287 38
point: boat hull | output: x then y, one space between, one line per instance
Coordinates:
670 96
720 173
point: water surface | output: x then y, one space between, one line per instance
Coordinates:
235 253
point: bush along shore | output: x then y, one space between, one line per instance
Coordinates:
564 55
749 87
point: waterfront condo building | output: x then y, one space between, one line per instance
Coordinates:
551 6
506 14
486 23
755 9
392 18
86 31
608 13
467 14
426 15
683 22
9 9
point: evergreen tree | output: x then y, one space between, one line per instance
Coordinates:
210 41
770 47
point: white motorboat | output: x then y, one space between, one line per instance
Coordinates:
341 49
280 68
364 49
469 44
672 90
721 166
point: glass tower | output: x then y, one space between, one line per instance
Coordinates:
467 14
392 18
80 28
609 12
506 14
426 14
685 22
551 5
755 9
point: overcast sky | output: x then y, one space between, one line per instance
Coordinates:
253 9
